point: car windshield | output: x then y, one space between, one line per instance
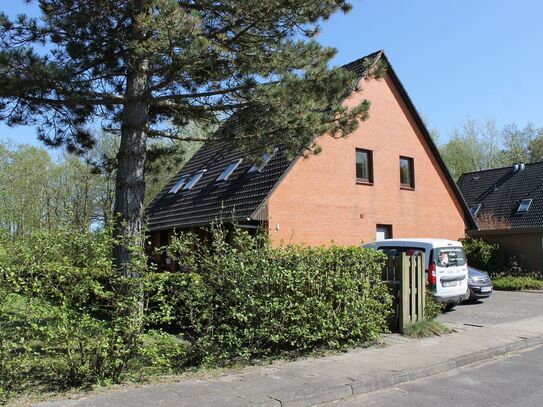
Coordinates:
449 256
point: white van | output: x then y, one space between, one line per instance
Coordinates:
445 264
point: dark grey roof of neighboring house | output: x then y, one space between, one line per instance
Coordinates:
241 195
500 191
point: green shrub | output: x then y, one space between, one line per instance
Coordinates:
511 283
484 256
174 301
67 319
262 301
425 328
431 308
162 353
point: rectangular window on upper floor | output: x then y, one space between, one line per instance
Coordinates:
364 166
407 173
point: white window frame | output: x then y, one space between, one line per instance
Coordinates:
230 168
527 203
193 180
266 157
178 184
474 209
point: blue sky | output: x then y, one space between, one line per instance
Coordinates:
458 59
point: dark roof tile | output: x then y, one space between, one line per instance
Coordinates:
500 191
234 199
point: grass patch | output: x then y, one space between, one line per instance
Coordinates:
425 328
517 283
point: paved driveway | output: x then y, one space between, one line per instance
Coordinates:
501 307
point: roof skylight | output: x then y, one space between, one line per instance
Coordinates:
474 209
524 206
265 158
178 184
195 178
229 170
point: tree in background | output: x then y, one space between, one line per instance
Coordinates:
147 68
38 193
516 143
24 189
71 191
536 148
476 146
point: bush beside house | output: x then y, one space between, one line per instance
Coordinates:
64 320
506 273
483 255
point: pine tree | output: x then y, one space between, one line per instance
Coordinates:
146 69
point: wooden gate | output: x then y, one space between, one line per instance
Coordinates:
405 276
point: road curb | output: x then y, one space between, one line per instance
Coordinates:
383 381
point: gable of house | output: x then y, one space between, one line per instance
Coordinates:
284 186
499 193
320 198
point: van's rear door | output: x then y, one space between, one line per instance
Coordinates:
451 271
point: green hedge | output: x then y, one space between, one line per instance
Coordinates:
65 321
483 255
509 283
260 300
488 257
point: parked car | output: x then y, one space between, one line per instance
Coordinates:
479 283
445 265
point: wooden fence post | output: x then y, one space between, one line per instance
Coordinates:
412 289
404 291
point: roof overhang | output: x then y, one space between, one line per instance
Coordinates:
510 231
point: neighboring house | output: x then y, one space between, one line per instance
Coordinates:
508 203
384 180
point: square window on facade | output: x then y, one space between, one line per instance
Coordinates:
364 165
407 172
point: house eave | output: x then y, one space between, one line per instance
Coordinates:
510 231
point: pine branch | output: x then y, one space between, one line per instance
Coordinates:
171 135
176 97
83 100
178 107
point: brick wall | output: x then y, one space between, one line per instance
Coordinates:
319 200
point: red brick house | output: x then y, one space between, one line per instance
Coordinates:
386 179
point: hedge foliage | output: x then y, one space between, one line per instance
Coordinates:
260 301
66 320
482 255
490 258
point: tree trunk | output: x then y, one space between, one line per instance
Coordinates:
130 182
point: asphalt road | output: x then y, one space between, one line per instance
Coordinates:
514 380
501 307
